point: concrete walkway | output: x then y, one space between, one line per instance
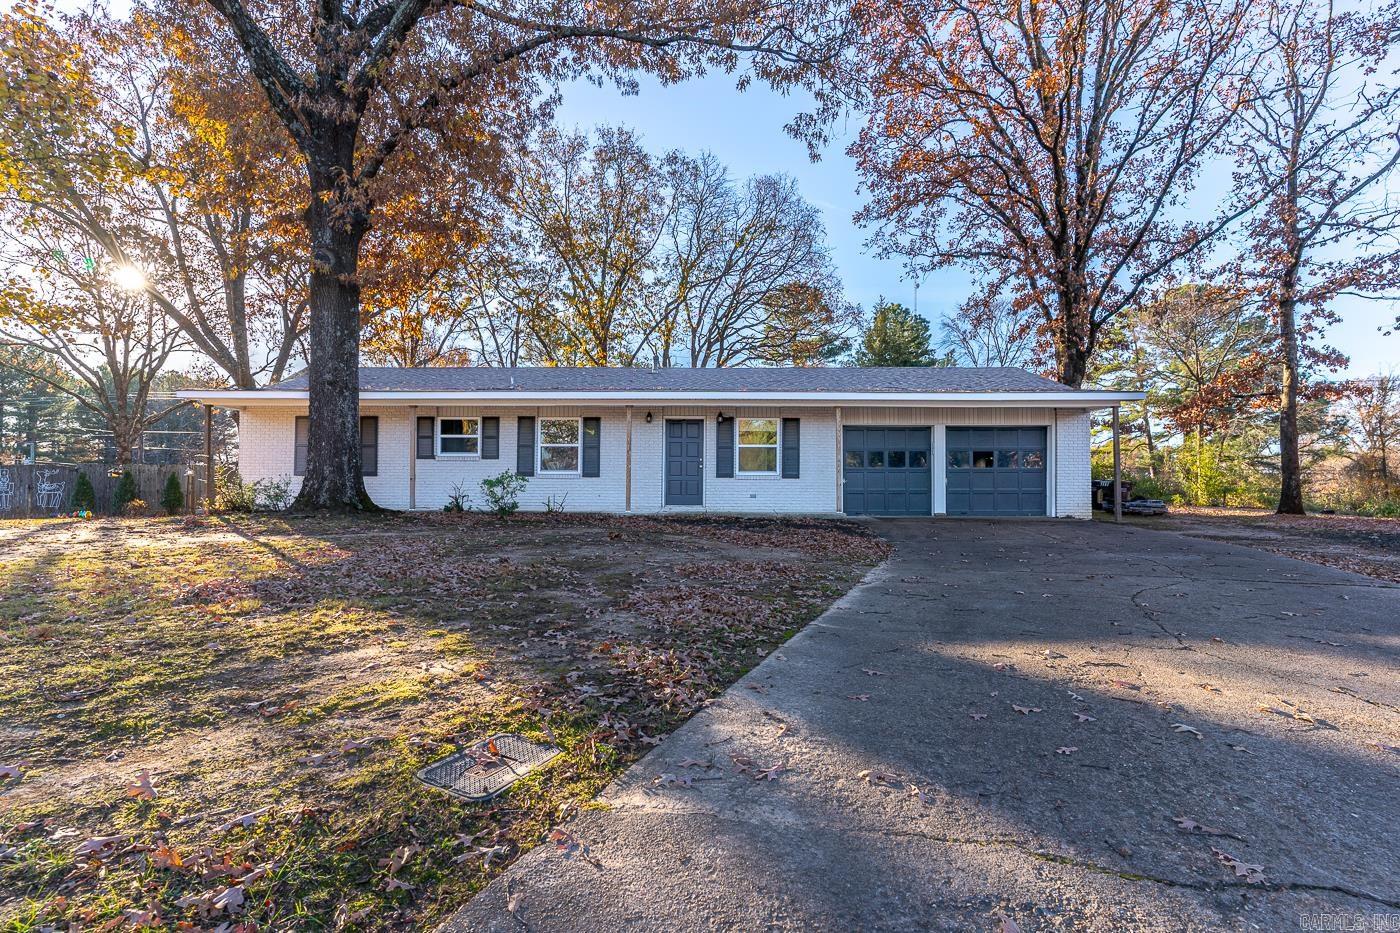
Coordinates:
1037 705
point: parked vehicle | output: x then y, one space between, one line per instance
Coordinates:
1103 500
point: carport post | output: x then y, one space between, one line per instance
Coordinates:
209 490
1117 472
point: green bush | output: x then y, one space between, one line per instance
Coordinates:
502 492
234 495
172 498
84 496
125 493
273 495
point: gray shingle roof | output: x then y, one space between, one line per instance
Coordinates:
674 379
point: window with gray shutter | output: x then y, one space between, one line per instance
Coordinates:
724 447
792 448
426 448
525 445
490 438
369 445
592 431
302 434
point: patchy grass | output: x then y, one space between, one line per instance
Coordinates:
1369 546
281 681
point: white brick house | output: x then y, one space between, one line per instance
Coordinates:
954 441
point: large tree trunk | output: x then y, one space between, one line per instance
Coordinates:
1290 497
336 221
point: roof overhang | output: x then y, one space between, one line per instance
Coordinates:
285 398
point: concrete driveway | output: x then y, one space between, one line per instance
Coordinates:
1072 725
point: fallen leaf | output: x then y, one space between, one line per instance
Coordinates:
99 846
1188 825
1026 710
873 673
143 787
1084 717
1125 685
978 715
399 857
1066 750
15 770
1181 727
771 772
245 820
1252 874
662 780
166 857
861 697
881 778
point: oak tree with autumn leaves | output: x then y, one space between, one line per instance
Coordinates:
362 86
1044 146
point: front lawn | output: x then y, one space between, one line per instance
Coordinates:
222 722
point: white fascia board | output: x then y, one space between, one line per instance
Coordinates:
1089 399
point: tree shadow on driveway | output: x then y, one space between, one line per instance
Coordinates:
1017 716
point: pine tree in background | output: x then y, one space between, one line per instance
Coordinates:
173 498
125 492
84 496
897 336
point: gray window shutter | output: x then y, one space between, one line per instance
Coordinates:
490 438
426 448
525 445
592 431
792 446
724 447
303 433
369 445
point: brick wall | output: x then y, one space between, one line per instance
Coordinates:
266 451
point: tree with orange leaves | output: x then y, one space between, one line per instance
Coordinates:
173 176
1045 146
374 94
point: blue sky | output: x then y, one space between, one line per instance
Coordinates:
745 130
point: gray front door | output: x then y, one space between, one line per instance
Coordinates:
887 472
685 459
996 471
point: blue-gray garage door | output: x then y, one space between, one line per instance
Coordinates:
887 471
996 471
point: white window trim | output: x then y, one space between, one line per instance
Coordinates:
455 454
540 445
777 446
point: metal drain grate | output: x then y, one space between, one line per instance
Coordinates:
488 767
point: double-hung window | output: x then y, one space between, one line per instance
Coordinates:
758 446
560 444
459 437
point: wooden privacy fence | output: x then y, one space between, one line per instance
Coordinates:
38 489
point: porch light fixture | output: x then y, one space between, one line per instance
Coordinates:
719 418
648 417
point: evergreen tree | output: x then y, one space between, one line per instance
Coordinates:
125 492
897 337
173 498
84 496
